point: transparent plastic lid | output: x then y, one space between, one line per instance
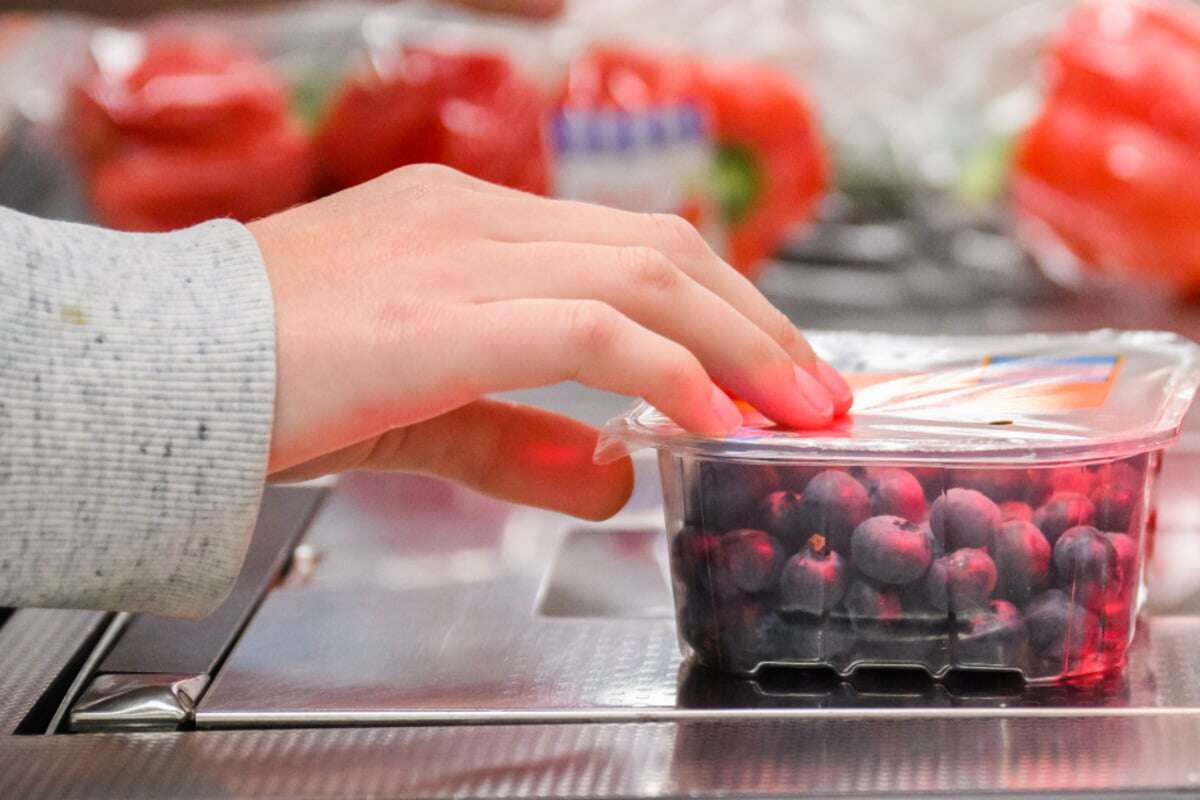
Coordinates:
1039 398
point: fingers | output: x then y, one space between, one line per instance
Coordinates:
526 218
517 453
516 344
514 452
521 218
647 287
839 390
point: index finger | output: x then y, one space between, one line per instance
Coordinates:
528 218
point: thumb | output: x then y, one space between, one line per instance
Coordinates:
507 450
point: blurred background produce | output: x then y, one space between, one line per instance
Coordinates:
173 129
1106 170
933 154
892 125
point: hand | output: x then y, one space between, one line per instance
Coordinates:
403 302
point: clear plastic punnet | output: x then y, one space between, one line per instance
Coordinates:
985 506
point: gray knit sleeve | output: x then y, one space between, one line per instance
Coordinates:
137 380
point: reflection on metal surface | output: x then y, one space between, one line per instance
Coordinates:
1173 571
610 573
1117 756
303 565
137 702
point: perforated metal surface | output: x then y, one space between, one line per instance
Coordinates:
439 612
1143 755
35 645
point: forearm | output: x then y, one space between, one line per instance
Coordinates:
136 397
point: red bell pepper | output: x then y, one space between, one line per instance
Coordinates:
628 79
769 167
131 190
473 111
1111 166
190 131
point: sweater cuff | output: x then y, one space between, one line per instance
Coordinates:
142 404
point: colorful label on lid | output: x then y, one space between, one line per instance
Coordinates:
1014 384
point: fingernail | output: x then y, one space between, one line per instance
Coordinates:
725 411
843 396
815 396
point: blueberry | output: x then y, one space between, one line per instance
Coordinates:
993 636
834 504
891 549
961 581
1121 473
698 627
896 492
1062 511
738 634
1082 552
781 514
1040 486
894 645
1114 505
692 557
813 580
728 493
1085 565
918 609
794 477
964 518
932 480
751 560
998 484
1125 549
803 639
749 633
1077 480
1022 557
1057 627
1015 510
1116 619
866 602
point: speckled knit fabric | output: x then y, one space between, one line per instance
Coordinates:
137 379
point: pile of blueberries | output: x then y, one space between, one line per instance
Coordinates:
1026 569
